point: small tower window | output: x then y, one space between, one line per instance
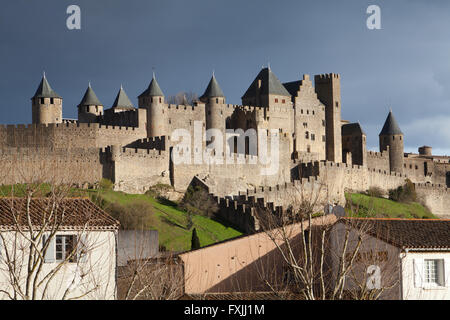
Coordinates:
42 101
160 100
51 101
217 100
284 101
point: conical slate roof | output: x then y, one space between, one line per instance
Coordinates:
153 89
44 90
269 85
90 98
213 90
390 126
122 100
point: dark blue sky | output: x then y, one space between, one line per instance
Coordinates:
406 65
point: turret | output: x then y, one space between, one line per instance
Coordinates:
266 91
328 89
152 99
122 102
90 107
214 99
46 104
391 136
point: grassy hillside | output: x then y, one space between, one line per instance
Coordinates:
366 206
170 220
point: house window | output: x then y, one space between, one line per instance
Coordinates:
307 135
433 271
284 101
276 100
65 245
323 138
323 123
313 137
305 125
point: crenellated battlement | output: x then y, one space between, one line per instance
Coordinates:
327 76
432 186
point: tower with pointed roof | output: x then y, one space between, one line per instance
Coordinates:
328 89
90 107
214 100
152 99
266 91
391 138
122 102
46 104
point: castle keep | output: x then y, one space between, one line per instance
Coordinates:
134 147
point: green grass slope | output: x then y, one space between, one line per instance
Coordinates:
361 205
171 221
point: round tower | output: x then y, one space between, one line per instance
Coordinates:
214 100
391 136
153 101
90 107
46 104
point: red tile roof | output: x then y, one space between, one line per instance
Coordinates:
71 213
406 233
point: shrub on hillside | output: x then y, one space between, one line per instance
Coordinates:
376 192
138 215
405 193
197 201
106 184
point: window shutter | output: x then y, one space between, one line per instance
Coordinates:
418 272
447 271
50 253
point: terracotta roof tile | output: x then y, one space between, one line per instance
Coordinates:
70 213
407 233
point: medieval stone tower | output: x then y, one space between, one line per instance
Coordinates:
391 136
90 107
152 99
46 104
214 100
328 89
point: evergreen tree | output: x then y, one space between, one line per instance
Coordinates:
195 242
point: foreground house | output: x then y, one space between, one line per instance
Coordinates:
404 258
56 249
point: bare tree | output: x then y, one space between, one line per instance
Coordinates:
318 261
49 247
182 98
160 277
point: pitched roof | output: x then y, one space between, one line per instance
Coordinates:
90 98
352 128
269 85
213 89
390 126
407 233
44 90
293 87
70 213
122 100
153 89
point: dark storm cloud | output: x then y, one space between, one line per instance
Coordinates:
405 66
